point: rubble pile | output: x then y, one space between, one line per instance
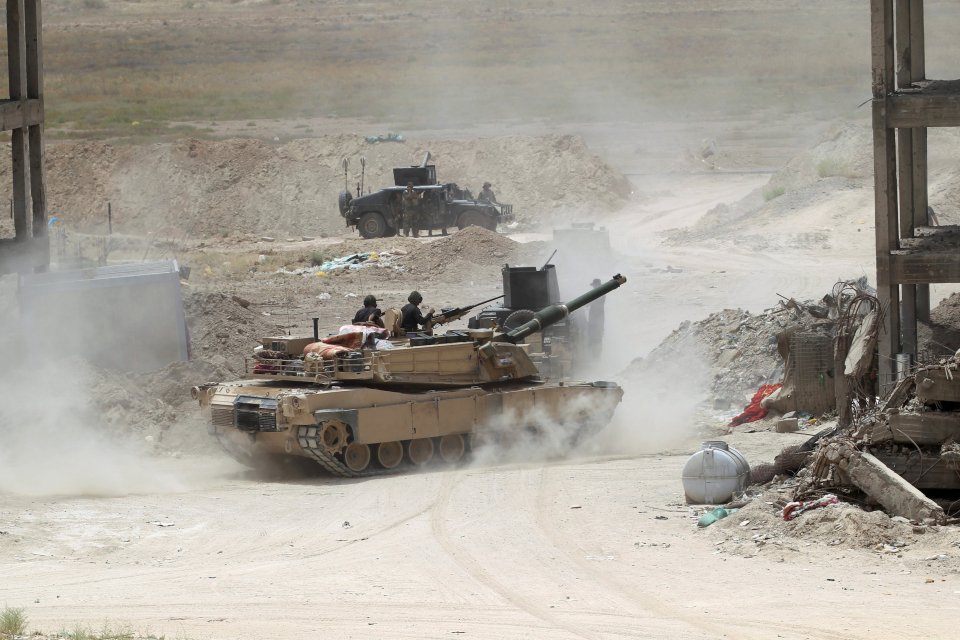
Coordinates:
739 347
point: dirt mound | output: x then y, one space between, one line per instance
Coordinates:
842 524
218 188
814 180
222 330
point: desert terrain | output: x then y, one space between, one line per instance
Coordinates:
725 148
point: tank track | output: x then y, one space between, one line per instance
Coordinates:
307 436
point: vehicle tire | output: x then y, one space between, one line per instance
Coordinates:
473 218
372 225
344 201
517 319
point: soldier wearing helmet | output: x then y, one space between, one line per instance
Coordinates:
487 195
369 312
411 318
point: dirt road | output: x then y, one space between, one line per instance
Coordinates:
594 548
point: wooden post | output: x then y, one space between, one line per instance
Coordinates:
109 219
17 70
885 185
905 177
918 72
34 66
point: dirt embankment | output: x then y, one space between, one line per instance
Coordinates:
218 188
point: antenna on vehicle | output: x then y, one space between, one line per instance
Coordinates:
346 164
548 260
363 170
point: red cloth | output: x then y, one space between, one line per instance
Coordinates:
753 411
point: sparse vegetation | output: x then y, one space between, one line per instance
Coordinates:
102 77
81 632
13 622
773 191
831 168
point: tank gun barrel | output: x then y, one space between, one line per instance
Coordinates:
557 312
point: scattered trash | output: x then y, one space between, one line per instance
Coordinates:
710 517
794 509
161 524
389 137
351 261
754 411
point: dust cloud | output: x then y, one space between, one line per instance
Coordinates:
54 438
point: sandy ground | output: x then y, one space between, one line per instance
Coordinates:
594 548
194 546
601 547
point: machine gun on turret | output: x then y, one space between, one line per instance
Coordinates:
455 314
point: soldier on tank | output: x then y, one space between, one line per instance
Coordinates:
369 312
411 211
487 194
411 318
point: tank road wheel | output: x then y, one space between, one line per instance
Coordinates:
420 451
389 454
452 447
372 225
357 456
472 218
333 435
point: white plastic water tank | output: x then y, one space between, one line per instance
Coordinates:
713 474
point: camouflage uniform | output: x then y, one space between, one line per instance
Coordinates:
487 195
412 215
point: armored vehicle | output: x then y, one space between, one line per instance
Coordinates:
443 206
360 404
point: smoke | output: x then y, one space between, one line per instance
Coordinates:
64 428
554 429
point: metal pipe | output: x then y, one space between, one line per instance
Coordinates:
316 329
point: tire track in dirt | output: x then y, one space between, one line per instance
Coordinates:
548 484
469 564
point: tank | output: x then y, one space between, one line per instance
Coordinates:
360 403
713 474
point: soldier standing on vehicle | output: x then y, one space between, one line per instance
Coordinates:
411 318
487 195
411 211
